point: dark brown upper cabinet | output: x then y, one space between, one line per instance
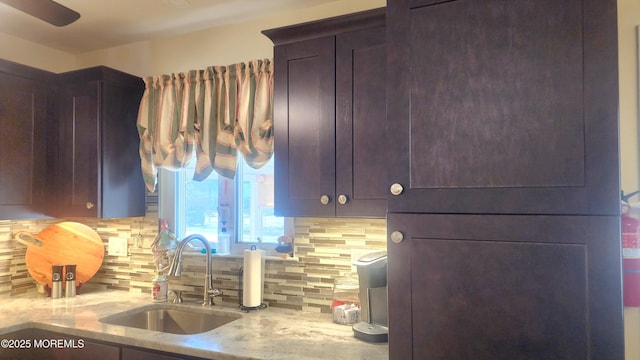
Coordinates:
503 107
98 168
329 117
25 100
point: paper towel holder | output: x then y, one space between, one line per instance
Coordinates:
241 291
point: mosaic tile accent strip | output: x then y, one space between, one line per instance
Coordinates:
324 248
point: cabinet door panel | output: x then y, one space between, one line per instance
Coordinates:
48 345
304 111
361 172
305 135
505 287
23 106
122 188
89 350
504 106
79 116
496 112
139 354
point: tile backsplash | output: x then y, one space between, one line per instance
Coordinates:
324 250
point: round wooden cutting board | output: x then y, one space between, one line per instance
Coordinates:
60 244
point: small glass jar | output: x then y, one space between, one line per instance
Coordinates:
346 301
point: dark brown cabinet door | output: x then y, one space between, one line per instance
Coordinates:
503 106
122 186
304 125
361 168
31 344
139 354
329 113
23 122
79 150
99 167
504 287
83 349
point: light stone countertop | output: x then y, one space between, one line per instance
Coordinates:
270 333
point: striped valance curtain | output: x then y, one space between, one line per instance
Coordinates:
212 113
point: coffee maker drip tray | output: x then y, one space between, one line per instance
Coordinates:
370 332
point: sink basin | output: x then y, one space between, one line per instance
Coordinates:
174 319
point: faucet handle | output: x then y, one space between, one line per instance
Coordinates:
213 293
177 296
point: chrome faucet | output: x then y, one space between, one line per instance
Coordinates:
175 269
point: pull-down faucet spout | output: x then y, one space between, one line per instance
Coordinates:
175 269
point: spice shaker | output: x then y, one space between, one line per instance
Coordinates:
56 281
70 278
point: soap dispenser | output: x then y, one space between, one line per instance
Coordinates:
159 286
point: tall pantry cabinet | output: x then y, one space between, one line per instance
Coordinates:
503 193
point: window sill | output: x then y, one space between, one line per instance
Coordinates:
268 257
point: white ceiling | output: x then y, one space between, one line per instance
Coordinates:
108 23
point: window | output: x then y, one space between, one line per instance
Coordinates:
231 214
259 224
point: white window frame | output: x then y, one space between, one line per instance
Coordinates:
170 204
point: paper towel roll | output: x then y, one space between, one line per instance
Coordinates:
253 278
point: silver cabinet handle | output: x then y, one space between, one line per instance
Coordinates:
396 189
89 205
324 199
342 199
397 237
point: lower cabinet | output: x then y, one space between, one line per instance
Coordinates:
489 287
40 344
80 350
45 345
140 354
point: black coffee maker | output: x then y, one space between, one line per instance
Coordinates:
372 277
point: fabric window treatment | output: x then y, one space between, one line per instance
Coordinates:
212 113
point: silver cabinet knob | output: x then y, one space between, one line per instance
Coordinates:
324 199
89 205
342 199
397 237
396 189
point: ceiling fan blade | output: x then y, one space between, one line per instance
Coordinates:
47 10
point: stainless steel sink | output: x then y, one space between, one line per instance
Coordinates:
175 319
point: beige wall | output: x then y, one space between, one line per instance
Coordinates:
215 46
31 54
628 19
